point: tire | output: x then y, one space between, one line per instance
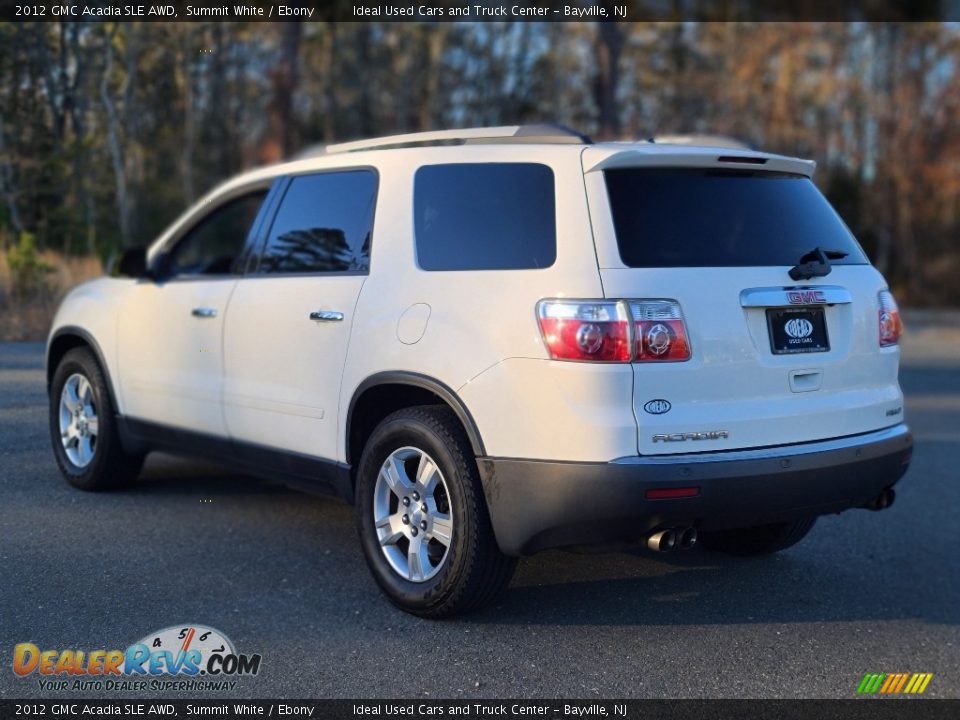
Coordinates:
419 572
93 459
757 540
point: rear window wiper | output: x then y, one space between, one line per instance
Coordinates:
815 263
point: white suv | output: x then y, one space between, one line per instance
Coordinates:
500 340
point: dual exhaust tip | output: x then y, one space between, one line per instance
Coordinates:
672 539
686 538
882 501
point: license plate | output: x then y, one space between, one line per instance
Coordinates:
797 331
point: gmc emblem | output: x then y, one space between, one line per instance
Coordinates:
806 297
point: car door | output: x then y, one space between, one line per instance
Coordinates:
171 328
289 321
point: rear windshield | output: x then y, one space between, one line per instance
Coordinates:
726 218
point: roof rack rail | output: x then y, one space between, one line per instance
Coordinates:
551 134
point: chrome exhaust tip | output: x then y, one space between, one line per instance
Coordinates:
882 501
662 541
688 538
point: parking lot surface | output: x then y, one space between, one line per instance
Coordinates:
282 575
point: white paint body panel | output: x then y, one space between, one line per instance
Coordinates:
94 307
576 412
282 370
170 361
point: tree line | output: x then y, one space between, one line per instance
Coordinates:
109 130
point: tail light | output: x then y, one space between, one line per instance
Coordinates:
891 327
661 335
585 330
614 330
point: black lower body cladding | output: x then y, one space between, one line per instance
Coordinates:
535 505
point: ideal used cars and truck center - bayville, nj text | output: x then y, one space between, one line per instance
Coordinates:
477 12
490 11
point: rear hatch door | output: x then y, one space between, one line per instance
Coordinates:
773 360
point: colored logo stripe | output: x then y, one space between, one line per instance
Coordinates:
894 683
871 683
918 683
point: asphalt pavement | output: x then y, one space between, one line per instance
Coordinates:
281 574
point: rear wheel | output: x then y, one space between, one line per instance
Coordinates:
759 539
422 518
83 426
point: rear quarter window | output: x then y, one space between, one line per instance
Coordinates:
485 216
722 218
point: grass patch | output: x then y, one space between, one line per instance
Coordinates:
32 283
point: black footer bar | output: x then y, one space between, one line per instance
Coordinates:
434 709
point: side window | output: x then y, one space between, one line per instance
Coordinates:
492 216
323 224
213 245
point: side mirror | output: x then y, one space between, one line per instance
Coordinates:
162 266
130 263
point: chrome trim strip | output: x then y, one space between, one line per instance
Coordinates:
781 296
879 436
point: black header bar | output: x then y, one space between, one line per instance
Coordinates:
480 10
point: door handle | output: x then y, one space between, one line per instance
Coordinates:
203 312
326 315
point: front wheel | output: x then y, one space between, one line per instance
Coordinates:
759 539
422 518
83 426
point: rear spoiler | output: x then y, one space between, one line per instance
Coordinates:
605 158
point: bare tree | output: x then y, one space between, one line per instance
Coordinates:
115 142
278 142
6 183
608 48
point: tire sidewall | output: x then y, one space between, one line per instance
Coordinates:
392 435
81 362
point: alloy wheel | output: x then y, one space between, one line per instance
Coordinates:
412 515
79 424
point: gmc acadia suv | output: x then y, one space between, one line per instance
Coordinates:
500 340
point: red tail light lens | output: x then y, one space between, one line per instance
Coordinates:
891 327
661 335
595 330
614 330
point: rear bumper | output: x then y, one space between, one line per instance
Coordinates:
535 505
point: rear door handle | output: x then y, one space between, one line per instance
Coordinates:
326 315
204 312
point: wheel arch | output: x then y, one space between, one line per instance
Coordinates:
385 392
66 339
